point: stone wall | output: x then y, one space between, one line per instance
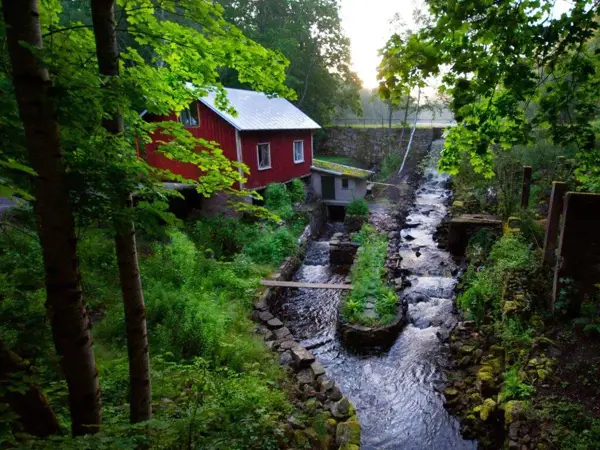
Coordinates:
316 395
369 145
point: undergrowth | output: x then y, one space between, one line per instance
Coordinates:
368 280
215 386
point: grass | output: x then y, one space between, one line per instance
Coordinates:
368 280
215 385
343 169
345 160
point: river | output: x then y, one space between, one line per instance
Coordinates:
394 392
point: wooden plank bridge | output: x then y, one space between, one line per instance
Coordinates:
294 284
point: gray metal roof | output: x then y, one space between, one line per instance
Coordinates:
256 111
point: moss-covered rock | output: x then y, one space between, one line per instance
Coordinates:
488 407
486 381
513 410
348 432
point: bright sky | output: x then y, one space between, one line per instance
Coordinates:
367 24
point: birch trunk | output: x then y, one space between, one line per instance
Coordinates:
64 299
140 391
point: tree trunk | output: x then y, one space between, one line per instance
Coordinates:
64 299
390 114
140 391
31 405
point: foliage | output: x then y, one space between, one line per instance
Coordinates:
575 429
358 207
511 67
213 382
367 277
485 289
279 200
389 166
514 388
297 190
309 34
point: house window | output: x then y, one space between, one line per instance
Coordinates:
345 183
264 156
298 151
189 117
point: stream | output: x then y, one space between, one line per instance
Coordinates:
394 392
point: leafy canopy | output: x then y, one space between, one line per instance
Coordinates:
510 67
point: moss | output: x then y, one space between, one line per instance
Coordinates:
344 170
513 410
348 432
488 407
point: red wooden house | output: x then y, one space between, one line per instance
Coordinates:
269 135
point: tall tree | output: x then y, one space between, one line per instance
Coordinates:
140 390
500 58
310 35
69 320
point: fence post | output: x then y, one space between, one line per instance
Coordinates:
526 187
556 206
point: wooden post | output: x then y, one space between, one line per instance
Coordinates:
552 222
526 187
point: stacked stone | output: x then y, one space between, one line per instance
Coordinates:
342 250
315 392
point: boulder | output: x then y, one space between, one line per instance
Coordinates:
341 409
317 368
285 359
301 356
305 376
275 323
282 333
348 433
265 316
334 393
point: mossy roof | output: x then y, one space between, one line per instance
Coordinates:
340 169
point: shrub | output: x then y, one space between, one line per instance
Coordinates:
271 247
358 207
510 253
367 276
297 190
279 201
514 388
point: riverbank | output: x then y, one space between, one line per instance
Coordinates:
521 377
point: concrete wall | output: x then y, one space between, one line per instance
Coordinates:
369 145
356 188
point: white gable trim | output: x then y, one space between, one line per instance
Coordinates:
219 113
239 154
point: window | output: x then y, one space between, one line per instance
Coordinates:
189 117
264 156
345 183
298 151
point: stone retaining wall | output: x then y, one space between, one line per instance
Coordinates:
342 250
315 392
370 145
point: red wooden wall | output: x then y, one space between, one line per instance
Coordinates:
283 168
213 128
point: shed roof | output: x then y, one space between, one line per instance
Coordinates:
340 169
256 111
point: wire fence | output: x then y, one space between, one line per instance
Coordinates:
382 122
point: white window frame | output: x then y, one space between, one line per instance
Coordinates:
298 161
194 114
268 144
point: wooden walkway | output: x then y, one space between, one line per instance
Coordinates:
293 284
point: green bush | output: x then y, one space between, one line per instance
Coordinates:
297 190
514 388
368 279
358 207
279 201
510 253
389 166
271 247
